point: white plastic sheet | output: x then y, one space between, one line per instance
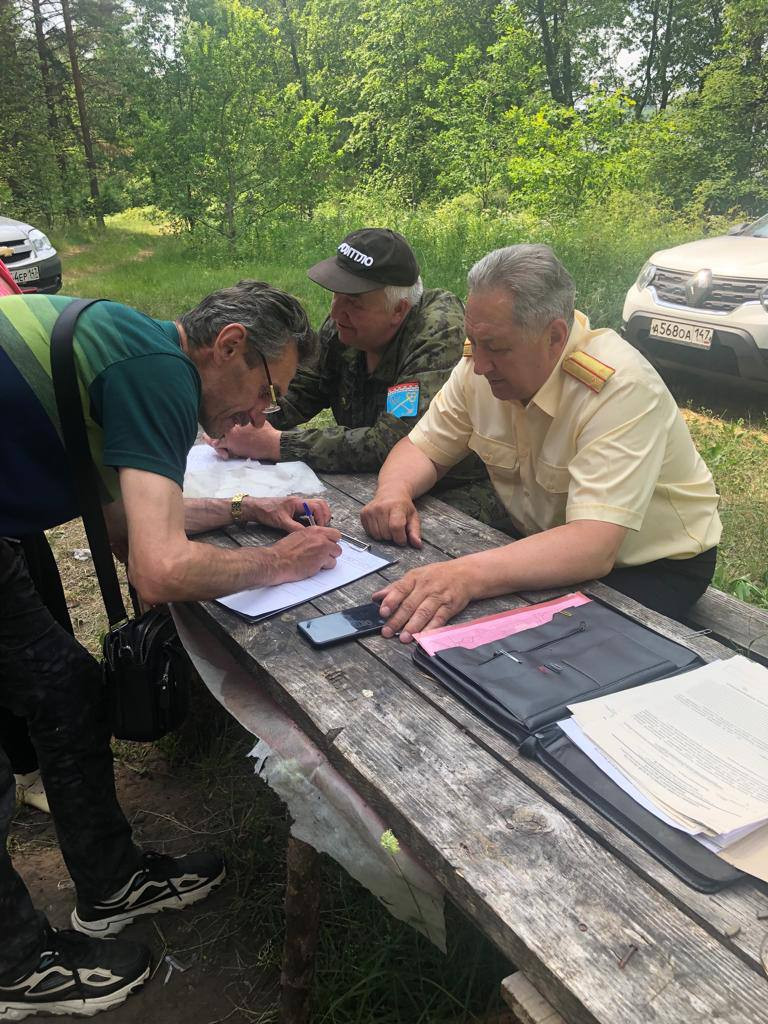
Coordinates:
208 476
327 812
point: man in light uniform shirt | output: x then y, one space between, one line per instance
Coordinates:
583 443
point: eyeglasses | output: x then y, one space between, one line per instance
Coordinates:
274 393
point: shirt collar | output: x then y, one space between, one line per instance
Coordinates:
548 396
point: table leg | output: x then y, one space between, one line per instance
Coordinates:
302 919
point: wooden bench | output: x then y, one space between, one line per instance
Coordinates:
740 626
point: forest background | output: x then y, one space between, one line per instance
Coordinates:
258 133
491 120
254 135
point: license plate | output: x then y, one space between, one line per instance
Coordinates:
683 334
25 275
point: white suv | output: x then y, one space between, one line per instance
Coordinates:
29 256
703 306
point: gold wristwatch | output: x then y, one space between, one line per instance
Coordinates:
236 507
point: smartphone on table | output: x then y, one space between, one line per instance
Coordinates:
364 620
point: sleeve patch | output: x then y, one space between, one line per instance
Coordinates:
588 370
403 399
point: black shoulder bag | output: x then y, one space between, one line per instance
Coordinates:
145 668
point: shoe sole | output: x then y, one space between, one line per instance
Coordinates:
74 1007
107 926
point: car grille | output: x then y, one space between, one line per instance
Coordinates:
22 250
726 293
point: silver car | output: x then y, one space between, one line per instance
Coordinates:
29 256
703 307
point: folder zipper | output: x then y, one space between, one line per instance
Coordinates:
581 628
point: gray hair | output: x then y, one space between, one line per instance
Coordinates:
539 284
272 319
394 293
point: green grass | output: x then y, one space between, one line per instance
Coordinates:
737 454
137 262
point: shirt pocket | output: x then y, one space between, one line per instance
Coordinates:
554 479
498 456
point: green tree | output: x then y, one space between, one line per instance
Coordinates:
225 144
30 187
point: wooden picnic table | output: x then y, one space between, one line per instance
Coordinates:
562 892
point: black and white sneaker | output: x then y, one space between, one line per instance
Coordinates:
75 975
162 883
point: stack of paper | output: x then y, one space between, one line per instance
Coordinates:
693 750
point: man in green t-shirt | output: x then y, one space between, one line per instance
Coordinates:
145 385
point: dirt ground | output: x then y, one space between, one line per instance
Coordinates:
223 981
231 960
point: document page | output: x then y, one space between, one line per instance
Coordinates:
576 735
261 602
695 744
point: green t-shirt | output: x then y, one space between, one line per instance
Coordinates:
140 395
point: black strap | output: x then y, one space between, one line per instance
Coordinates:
67 391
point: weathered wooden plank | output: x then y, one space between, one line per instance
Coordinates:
740 625
720 913
552 898
302 922
526 1002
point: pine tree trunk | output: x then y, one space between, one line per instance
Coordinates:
49 89
85 128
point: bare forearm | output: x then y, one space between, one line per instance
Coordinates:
408 469
201 514
557 557
199 571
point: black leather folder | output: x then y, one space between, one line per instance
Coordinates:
523 684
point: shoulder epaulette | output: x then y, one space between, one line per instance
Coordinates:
467 348
588 370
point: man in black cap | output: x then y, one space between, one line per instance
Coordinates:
386 349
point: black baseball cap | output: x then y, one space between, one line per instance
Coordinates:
365 260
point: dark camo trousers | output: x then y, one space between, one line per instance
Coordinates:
48 678
478 500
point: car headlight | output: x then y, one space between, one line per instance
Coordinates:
645 276
39 242
764 299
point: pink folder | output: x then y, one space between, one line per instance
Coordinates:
495 627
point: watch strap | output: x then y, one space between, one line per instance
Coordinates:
236 507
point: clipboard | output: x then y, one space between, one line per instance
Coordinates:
354 542
357 561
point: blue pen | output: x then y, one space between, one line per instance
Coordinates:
308 513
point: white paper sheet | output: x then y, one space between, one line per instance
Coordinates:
696 744
577 736
262 601
208 476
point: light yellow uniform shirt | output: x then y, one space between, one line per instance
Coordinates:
619 455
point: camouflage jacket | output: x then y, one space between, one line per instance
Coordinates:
425 349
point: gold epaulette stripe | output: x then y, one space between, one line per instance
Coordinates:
467 348
588 370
